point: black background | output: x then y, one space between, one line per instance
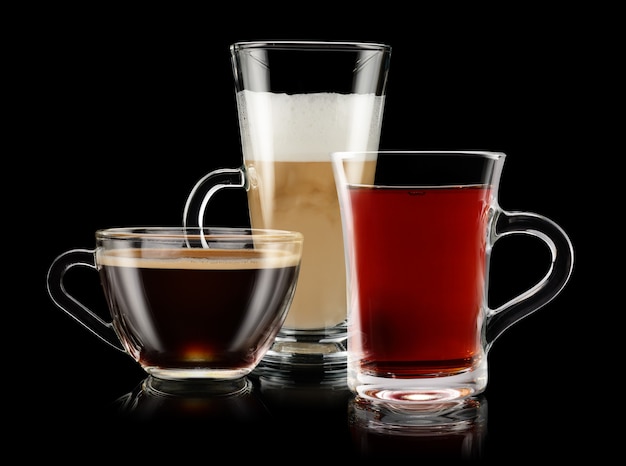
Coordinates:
120 113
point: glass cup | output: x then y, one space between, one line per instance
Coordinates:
419 230
297 102
187 304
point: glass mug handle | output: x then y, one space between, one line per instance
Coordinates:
69 304
205 188
562 263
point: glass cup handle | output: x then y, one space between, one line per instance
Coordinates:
204 189
69 304
562 264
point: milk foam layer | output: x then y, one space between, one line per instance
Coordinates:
307 127
198 259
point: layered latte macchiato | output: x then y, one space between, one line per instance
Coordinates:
291 184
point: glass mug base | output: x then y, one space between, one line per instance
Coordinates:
419 393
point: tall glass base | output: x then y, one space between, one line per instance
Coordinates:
308 351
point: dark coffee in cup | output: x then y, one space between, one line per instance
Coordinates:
187 308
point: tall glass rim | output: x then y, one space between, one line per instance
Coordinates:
214 233
310 45
494 155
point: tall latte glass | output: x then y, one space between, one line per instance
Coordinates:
297 102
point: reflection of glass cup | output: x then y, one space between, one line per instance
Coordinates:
297 102
229 402
187 303
419 229
455 431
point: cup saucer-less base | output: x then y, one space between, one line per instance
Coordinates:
197 387
200 374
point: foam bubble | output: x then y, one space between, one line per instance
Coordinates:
307 127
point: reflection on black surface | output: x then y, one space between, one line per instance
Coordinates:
157 400
310 413
446 431
284 391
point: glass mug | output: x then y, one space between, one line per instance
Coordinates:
419 229
187 304
297 102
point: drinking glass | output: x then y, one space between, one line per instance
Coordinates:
297 102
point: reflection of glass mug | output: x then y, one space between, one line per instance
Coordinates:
451 431
419 230
187 304
297 102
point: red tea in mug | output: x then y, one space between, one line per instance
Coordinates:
420 264
419 228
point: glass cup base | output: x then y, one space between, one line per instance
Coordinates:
196 387
197 374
